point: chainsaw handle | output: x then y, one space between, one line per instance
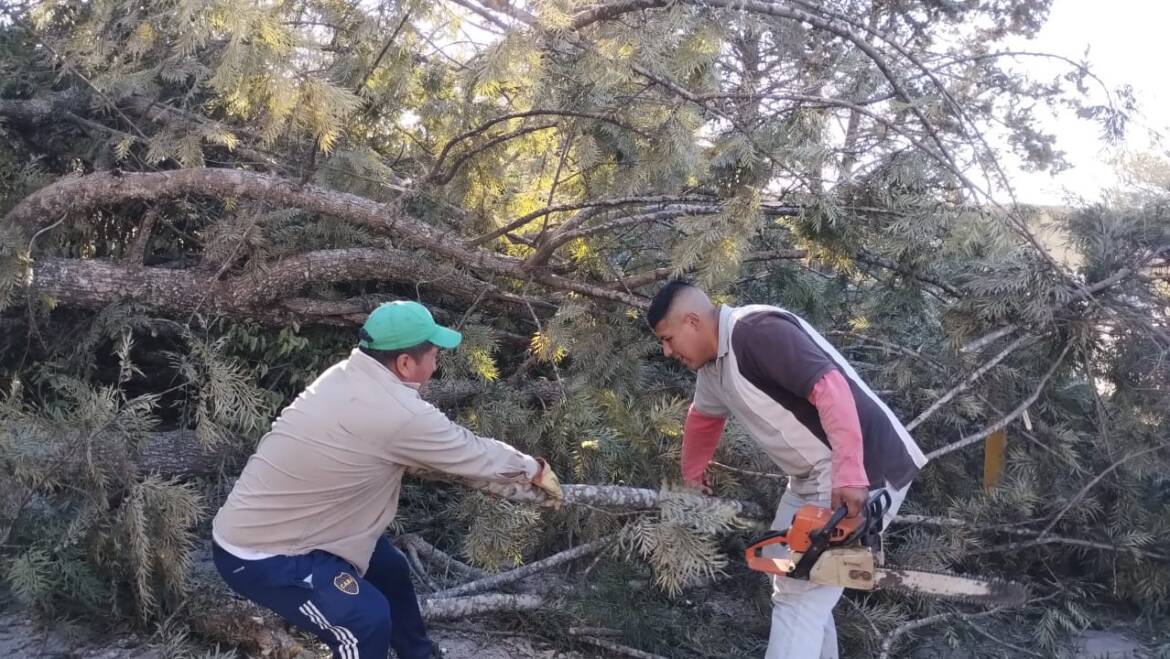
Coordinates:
838 515
872 513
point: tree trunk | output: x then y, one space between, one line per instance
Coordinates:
267 294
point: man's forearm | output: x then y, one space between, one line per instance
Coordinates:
838 412
700 439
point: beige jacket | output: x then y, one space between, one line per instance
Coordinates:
328 474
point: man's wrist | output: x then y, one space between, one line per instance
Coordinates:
535 468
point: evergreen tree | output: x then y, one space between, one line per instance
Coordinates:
202 199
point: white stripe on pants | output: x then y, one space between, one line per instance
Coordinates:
802 612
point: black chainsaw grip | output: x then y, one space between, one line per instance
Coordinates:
838 515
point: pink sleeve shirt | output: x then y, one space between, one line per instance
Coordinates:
838 412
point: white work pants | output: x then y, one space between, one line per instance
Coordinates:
802 612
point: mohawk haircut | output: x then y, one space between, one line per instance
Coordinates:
660 305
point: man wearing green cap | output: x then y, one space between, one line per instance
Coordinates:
302 532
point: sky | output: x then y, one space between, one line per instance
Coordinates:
1127 41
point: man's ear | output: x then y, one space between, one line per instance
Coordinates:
402 362
693 319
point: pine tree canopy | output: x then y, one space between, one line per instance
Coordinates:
201 200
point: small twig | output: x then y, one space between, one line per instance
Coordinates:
136 254
1000 641
876 632
888 643
467 314
619 649
748 472
385 49
445 178
437 555
552 190
592 564
991 337
32 241
594 631
417 568
540 328
1085 490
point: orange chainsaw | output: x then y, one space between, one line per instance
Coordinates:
828 548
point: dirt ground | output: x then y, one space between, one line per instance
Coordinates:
23 637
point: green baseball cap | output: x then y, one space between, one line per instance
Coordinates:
402 324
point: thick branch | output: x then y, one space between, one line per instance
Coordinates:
96 283
462 607
596 496
440 557
73 195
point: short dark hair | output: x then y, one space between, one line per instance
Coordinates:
388 357
660 305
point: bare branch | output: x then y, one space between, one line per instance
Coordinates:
520 222
617 648
1002 423
479 130
970 380
495 581
545 251
1085 490
434 176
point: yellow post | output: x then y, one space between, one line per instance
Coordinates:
993 450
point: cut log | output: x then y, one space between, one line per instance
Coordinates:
259 295
597 496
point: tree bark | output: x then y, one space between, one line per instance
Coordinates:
265 294
597 496
464 607
79 194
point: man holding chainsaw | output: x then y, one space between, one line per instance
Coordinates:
302 532
806 407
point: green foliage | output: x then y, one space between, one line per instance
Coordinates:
474 356
750 118
680 544
94 537
498 533
222 396
152 530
